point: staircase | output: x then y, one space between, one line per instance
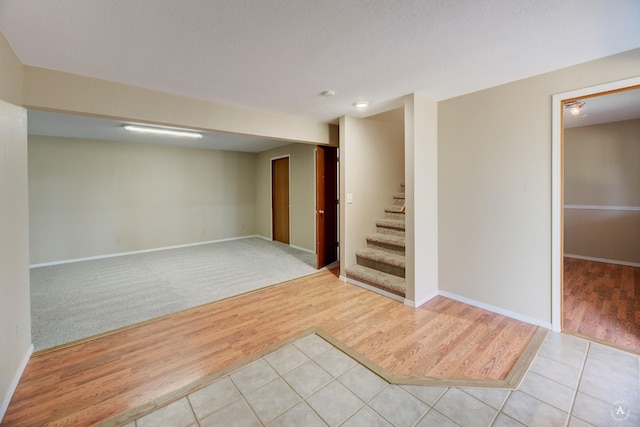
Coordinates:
382 263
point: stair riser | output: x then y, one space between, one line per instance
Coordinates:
398 250
391 231
386 268
398 202
394 215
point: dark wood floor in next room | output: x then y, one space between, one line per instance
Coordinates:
602 302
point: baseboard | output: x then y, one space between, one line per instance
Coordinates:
497 310
608 261
373 289
422 301
143 251
300 248
14 382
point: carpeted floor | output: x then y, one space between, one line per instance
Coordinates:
74 301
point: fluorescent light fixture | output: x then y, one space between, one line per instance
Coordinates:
361 104
162 131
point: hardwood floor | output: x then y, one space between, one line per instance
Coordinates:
99 379
602 301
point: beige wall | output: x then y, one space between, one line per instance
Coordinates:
372 169
15 316
494 194
53 90
421 174
11 74
90 198
301 197
601 169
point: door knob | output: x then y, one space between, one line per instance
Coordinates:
320 212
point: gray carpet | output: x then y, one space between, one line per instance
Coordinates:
78 300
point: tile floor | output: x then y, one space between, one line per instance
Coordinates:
571 382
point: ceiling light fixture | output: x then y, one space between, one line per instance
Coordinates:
328 93
574 107
162 131
361 104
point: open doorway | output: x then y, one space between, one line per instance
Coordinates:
596 213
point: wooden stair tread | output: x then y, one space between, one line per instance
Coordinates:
399 196
388 282
382 257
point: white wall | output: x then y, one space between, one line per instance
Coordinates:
15 315
601 170
90 198
302 202
372 169
494 160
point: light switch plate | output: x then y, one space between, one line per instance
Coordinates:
349 197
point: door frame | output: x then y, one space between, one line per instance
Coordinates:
557 184
283 156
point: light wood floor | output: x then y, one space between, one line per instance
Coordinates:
602 302
99 379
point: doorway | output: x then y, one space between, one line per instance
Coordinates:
562 102
280 199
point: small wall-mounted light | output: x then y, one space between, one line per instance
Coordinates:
163 131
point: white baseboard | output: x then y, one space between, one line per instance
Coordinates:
373 289
497 310
421 301
608 261
14 382
300 248
91 258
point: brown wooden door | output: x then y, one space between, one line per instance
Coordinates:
280 199
326 205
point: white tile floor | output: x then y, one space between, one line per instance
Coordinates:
571 382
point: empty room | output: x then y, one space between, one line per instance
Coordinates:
155 279
122 233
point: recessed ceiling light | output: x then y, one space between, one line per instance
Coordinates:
361 104
162 131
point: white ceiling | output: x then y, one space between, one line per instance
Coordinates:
278 55
92 128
